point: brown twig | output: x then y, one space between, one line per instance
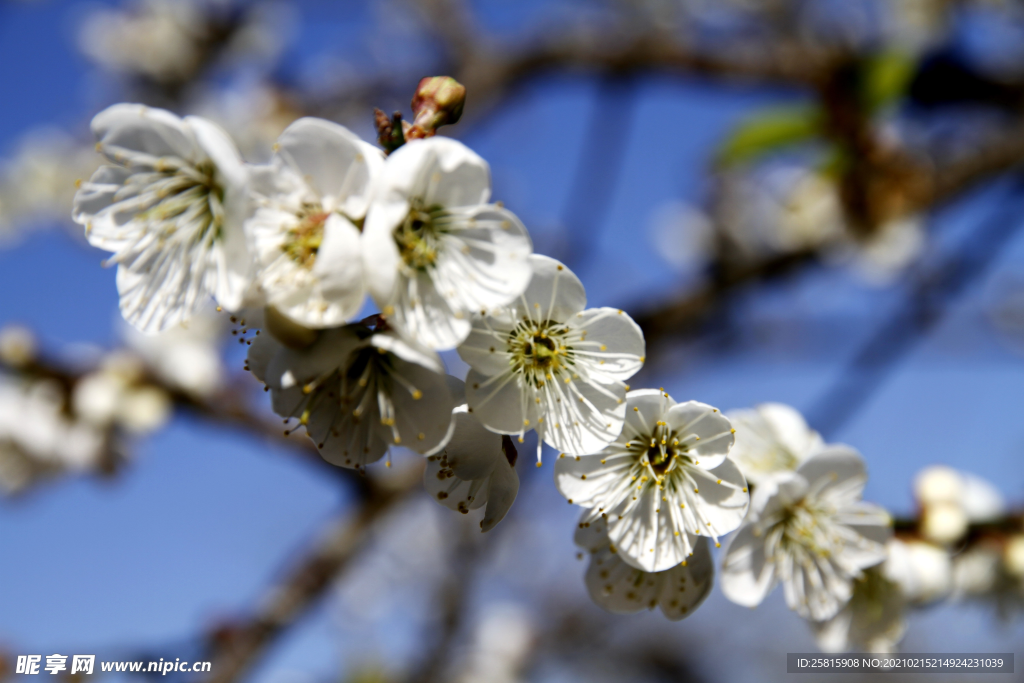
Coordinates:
452 602
236 648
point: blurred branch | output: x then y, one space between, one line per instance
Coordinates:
590 636
1008 525
687 314
933 294
921 189
1000 155
599 167
229 407
452 602
235 649
489 69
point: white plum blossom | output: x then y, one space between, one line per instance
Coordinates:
979 499
950 500
810 530
874 620
358 390
304 233
475 468
171 210
662 483
35 181
117 394
545 363
38 438
435 250
168 41
991 571
771 437
621 588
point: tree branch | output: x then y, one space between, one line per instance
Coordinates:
237 648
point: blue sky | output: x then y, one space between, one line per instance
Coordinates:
204 519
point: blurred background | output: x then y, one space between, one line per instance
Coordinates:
815 202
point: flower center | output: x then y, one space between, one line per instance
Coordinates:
180 193
801 529
417 237
664 448
539 350
304 239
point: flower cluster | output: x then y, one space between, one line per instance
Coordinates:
55 421
39 436
295 247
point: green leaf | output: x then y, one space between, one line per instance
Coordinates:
885 78
769 131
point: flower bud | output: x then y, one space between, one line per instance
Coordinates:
944 523
1013 556
97 396
17 346
438 102
938 484
144 410
390 130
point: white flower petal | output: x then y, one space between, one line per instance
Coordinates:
686 586
554 292
923 571
980 500
704 429
816 590
104 229
472 470
473 450
645 409
408 350
332 293
836 471
217 145
501 493
485 349
614 344
790 428
136 127
460 495
647 535
333 161
776 493
423 406
261 352
872 621
484 259
441 170
381 259
295 367
423 313
582 416
499 403
769 438
624 589
747 575
344 440
723 499
585 480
